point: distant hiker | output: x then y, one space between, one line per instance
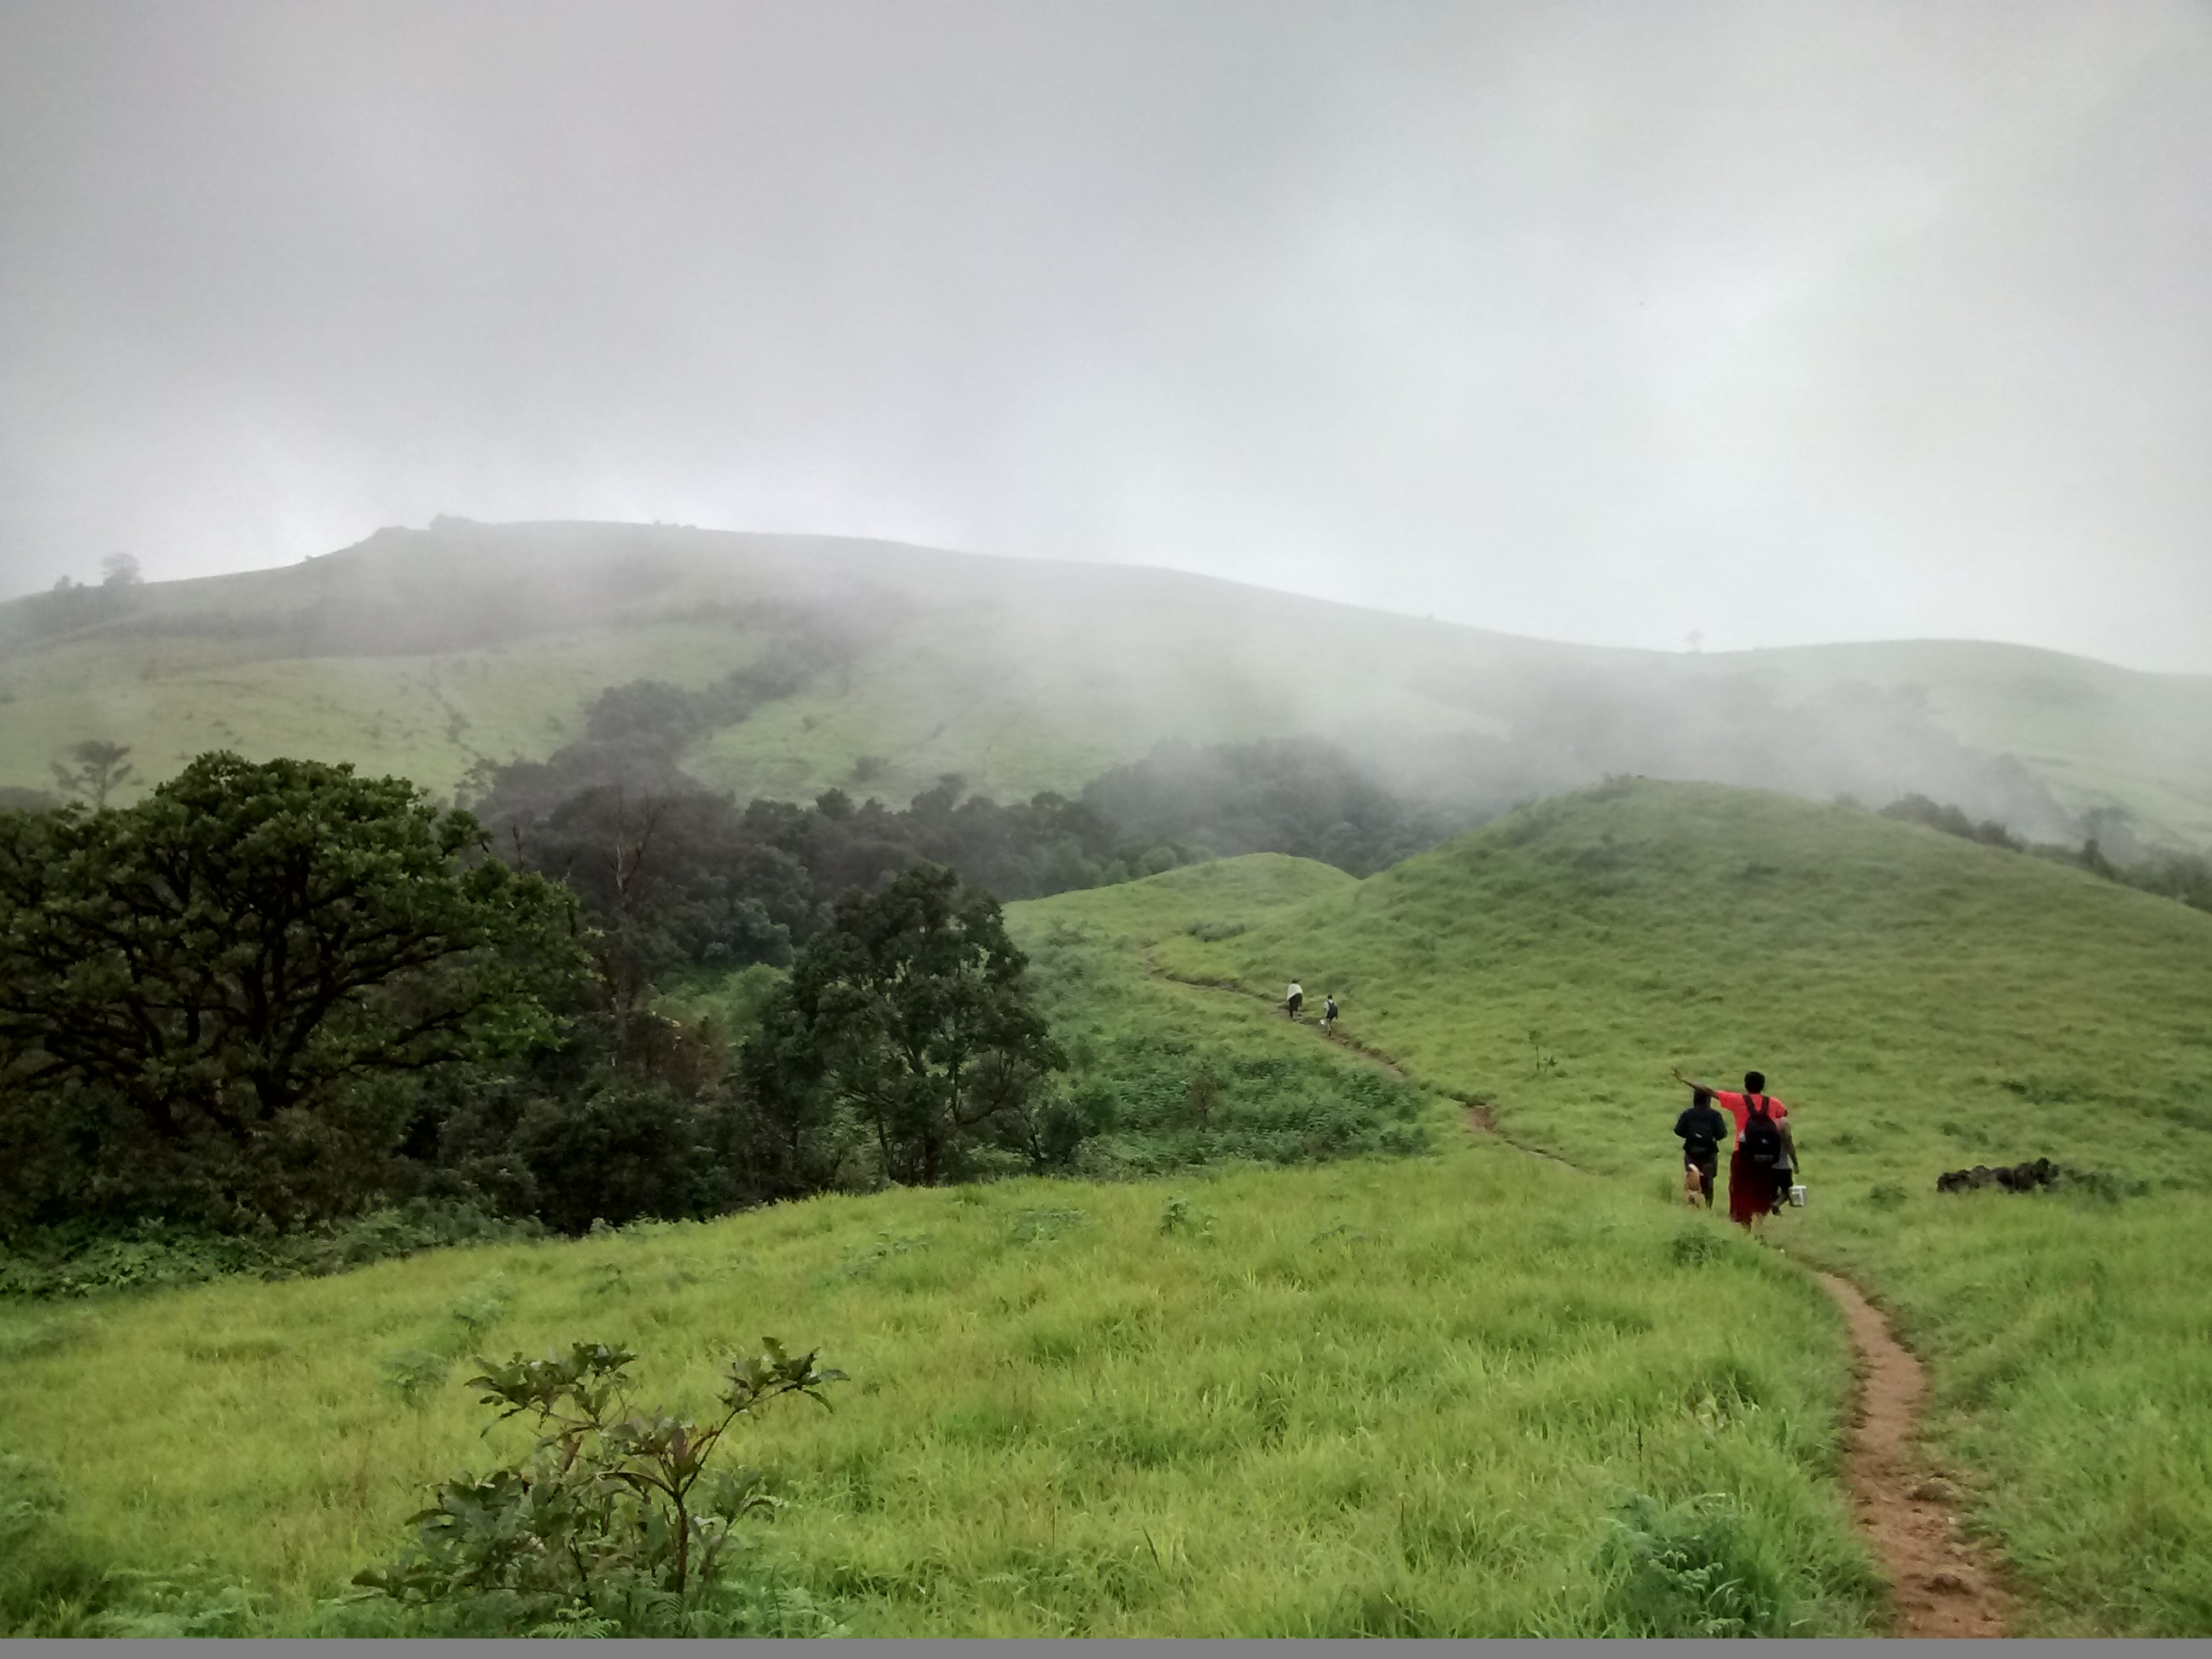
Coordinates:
1294 999
1764 1144
1702 1130
1328 1015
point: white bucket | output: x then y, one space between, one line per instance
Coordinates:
1798 1198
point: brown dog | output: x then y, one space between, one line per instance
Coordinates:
1693 1190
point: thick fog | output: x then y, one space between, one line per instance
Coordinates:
1630 325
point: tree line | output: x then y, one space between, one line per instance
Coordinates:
268 994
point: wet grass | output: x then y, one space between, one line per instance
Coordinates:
1349 1399
1924 1004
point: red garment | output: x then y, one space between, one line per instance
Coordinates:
1752 1187
1739 1108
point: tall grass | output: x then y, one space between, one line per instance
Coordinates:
1924 1004
1469 1392
1377 1398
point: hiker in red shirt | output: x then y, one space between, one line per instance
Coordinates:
1764 1147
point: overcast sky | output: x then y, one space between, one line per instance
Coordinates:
1781 322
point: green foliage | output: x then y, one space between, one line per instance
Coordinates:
628 1150
1690 1569
199 992
613 1523
414 1373
82 1259
1299 796
1178 1215
907 1028
1166 1077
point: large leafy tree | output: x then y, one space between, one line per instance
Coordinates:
907 1024
205 997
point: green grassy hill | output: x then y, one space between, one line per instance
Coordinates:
1351 1399
1924 1004
1391 1394
424 652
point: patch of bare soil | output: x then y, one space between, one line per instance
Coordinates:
1941 1584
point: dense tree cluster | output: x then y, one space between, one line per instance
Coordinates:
268 995
211 1001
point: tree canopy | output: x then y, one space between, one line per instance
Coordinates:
908 1020
200 992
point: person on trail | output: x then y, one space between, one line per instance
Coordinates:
1294 999
1702 1129
1785 1167
1328 1015
1764 1144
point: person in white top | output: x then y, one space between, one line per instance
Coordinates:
1295 1000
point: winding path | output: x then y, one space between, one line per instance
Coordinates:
1940 1584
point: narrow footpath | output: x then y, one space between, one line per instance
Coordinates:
1941 1584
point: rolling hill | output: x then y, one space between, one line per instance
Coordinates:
426 652
1924 1004
1408 1394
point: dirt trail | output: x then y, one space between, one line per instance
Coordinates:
1941 1584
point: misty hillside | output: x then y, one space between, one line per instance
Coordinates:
428 651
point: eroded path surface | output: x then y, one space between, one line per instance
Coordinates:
1942 1585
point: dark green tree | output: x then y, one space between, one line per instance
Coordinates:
206 998
908 1019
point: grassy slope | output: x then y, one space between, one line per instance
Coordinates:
2097 734
1344 1400
420 651
1924 1003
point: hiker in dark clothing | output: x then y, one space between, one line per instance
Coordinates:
1764 1144
1702 1130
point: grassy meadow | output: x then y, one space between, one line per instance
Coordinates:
1924 1004
1350 1399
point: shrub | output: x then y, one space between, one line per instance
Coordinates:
612 1524
1689 1571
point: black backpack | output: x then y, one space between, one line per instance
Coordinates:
1762 1136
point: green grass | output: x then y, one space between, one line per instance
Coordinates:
1924 1004
1186 1078
1350 1399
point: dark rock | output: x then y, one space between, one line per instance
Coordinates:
2013 1178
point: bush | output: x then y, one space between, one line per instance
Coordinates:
80 1259
613 1525
629 1151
